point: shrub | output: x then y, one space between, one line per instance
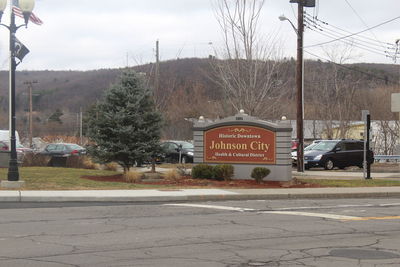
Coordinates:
74 162
203 171
133 176
35 160
259 173
223 172
183 170
172 175
82 162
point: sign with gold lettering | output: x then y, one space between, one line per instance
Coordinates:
239 144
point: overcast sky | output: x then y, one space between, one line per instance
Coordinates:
94 34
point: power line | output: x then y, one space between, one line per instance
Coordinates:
294 13
371 45
361 19
335 35
352 69
353 34
354 43
326 25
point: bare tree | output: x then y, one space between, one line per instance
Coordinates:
335 92
386 124
247 66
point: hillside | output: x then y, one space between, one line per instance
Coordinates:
185 89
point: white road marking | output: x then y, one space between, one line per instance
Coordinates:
313 214
290 211
320 215
325 207
211 207
390 204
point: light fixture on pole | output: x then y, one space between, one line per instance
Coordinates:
283 18
3 4
26 7
299 88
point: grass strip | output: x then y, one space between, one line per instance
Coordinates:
50 178
352 183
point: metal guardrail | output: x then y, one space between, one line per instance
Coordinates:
387 158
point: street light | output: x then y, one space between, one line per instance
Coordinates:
26 7
283 18
300 87
3 4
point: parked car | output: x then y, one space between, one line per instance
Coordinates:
3 146
21 150
59 152
172 149
294 145
337 153
63 150
307 148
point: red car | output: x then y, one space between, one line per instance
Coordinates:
3 146
294 145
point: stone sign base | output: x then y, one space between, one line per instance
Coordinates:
12 184
278 173
245 142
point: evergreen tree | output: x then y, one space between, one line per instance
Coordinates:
125 127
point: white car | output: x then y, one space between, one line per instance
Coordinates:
309 147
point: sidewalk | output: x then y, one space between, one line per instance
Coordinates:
176 195
196 194
345 175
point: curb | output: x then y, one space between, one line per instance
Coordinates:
181 196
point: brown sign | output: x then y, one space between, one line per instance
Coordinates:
239 144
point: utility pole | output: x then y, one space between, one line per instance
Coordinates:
397 53
80 126
299 85
367 147
300 80
30 85
157 74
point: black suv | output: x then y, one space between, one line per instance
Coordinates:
337 153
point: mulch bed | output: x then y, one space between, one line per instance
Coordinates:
189 182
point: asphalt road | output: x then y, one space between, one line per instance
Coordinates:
345 232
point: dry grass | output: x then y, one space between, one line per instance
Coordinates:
89 164
172 175
112 166
133 176
175 165
36 160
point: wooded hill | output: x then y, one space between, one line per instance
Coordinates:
187 90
